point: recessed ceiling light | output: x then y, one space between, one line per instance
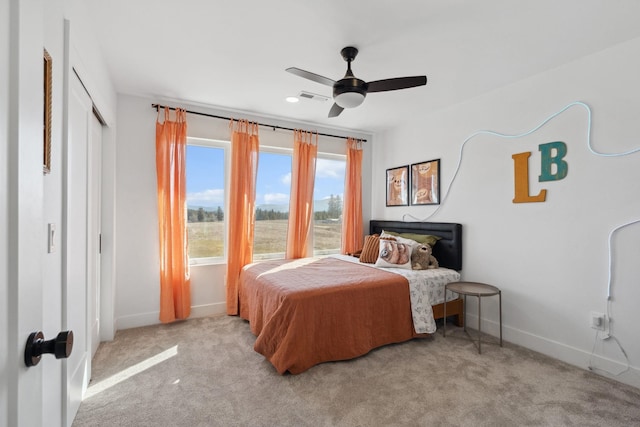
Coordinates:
292 99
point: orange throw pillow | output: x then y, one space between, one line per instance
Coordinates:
371 248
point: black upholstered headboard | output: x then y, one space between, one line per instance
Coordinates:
448 250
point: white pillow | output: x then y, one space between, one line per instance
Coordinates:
394 254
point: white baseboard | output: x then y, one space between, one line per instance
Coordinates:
137 320
208 309
152 318
604 366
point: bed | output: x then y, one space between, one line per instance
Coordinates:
314 310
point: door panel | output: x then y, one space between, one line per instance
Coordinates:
75 271
21 196
21 188
5 343
23 234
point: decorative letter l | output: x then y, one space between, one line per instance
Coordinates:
521 176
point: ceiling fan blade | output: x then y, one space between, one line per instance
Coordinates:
335 110
311 76
397 83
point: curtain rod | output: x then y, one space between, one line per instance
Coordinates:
274 127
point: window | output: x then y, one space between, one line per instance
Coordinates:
207 163
273 189
206 160
328 195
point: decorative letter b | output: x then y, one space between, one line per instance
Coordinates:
547 161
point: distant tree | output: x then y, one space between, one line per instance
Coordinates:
331 206
334 207
320 215
219 214
192 215
200 214
270 215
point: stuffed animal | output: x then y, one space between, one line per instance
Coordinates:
421 258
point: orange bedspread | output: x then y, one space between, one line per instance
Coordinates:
310 310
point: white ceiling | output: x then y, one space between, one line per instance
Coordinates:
233 53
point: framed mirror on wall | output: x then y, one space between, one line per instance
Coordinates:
48 78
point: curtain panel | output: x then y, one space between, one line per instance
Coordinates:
352 238
303 174
241 209
175 286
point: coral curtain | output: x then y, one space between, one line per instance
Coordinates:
241 209
303 174
175 284
352 239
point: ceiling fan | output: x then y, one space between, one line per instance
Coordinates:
350 91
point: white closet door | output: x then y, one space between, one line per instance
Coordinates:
94 231
76 246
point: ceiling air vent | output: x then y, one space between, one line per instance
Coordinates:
314 96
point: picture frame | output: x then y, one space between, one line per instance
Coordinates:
46 126
425 183
397 182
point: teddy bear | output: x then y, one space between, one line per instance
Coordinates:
421 258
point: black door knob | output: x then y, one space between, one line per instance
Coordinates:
60 347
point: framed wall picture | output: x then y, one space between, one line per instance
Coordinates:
425 183
46 125
398 186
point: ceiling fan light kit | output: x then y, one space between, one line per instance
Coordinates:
350 91
349 99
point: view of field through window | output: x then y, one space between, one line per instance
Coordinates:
206 209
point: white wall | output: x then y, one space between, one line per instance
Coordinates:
549 259
137 265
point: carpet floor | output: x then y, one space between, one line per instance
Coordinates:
204 372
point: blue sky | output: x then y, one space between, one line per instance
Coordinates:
205 177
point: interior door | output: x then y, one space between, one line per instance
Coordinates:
94 207
23 235
76 243
21 204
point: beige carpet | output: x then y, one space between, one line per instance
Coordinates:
204 372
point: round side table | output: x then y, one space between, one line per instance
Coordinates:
478 290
